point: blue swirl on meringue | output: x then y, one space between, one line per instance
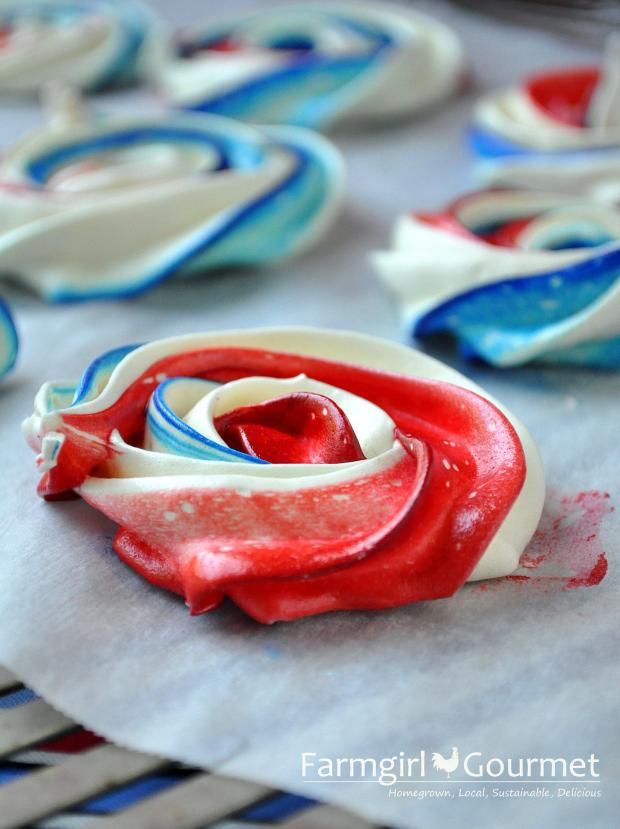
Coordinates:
97 373
168 432
90 55
172 398
9 342
199 192
307 89
557 130
63 394
591 171
316 64
513 321
139 29
512 276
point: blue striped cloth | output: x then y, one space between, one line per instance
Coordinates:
276 808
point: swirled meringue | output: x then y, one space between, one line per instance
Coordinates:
440 486
126 202
90 44
9 343
514 275
557 131
316 64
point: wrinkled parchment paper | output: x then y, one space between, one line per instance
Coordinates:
512 670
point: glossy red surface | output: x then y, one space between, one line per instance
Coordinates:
294 428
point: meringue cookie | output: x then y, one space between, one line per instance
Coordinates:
90 45
127 202
557 131
9 343
316 64
439 486
515 276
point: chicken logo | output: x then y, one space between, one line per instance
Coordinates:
448 765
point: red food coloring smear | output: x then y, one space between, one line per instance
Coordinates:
507 234
295 428
564 96
565 551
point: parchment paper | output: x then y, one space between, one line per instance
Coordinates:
513 670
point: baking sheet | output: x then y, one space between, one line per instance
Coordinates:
514 669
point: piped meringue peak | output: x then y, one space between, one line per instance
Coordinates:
514 276
130 201
90 44
295 471
556 131
316 64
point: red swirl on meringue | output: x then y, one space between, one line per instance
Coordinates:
365 482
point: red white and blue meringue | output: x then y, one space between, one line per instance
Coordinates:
557 131
126 202
89 44
514 276
9 342
316 64
295 471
